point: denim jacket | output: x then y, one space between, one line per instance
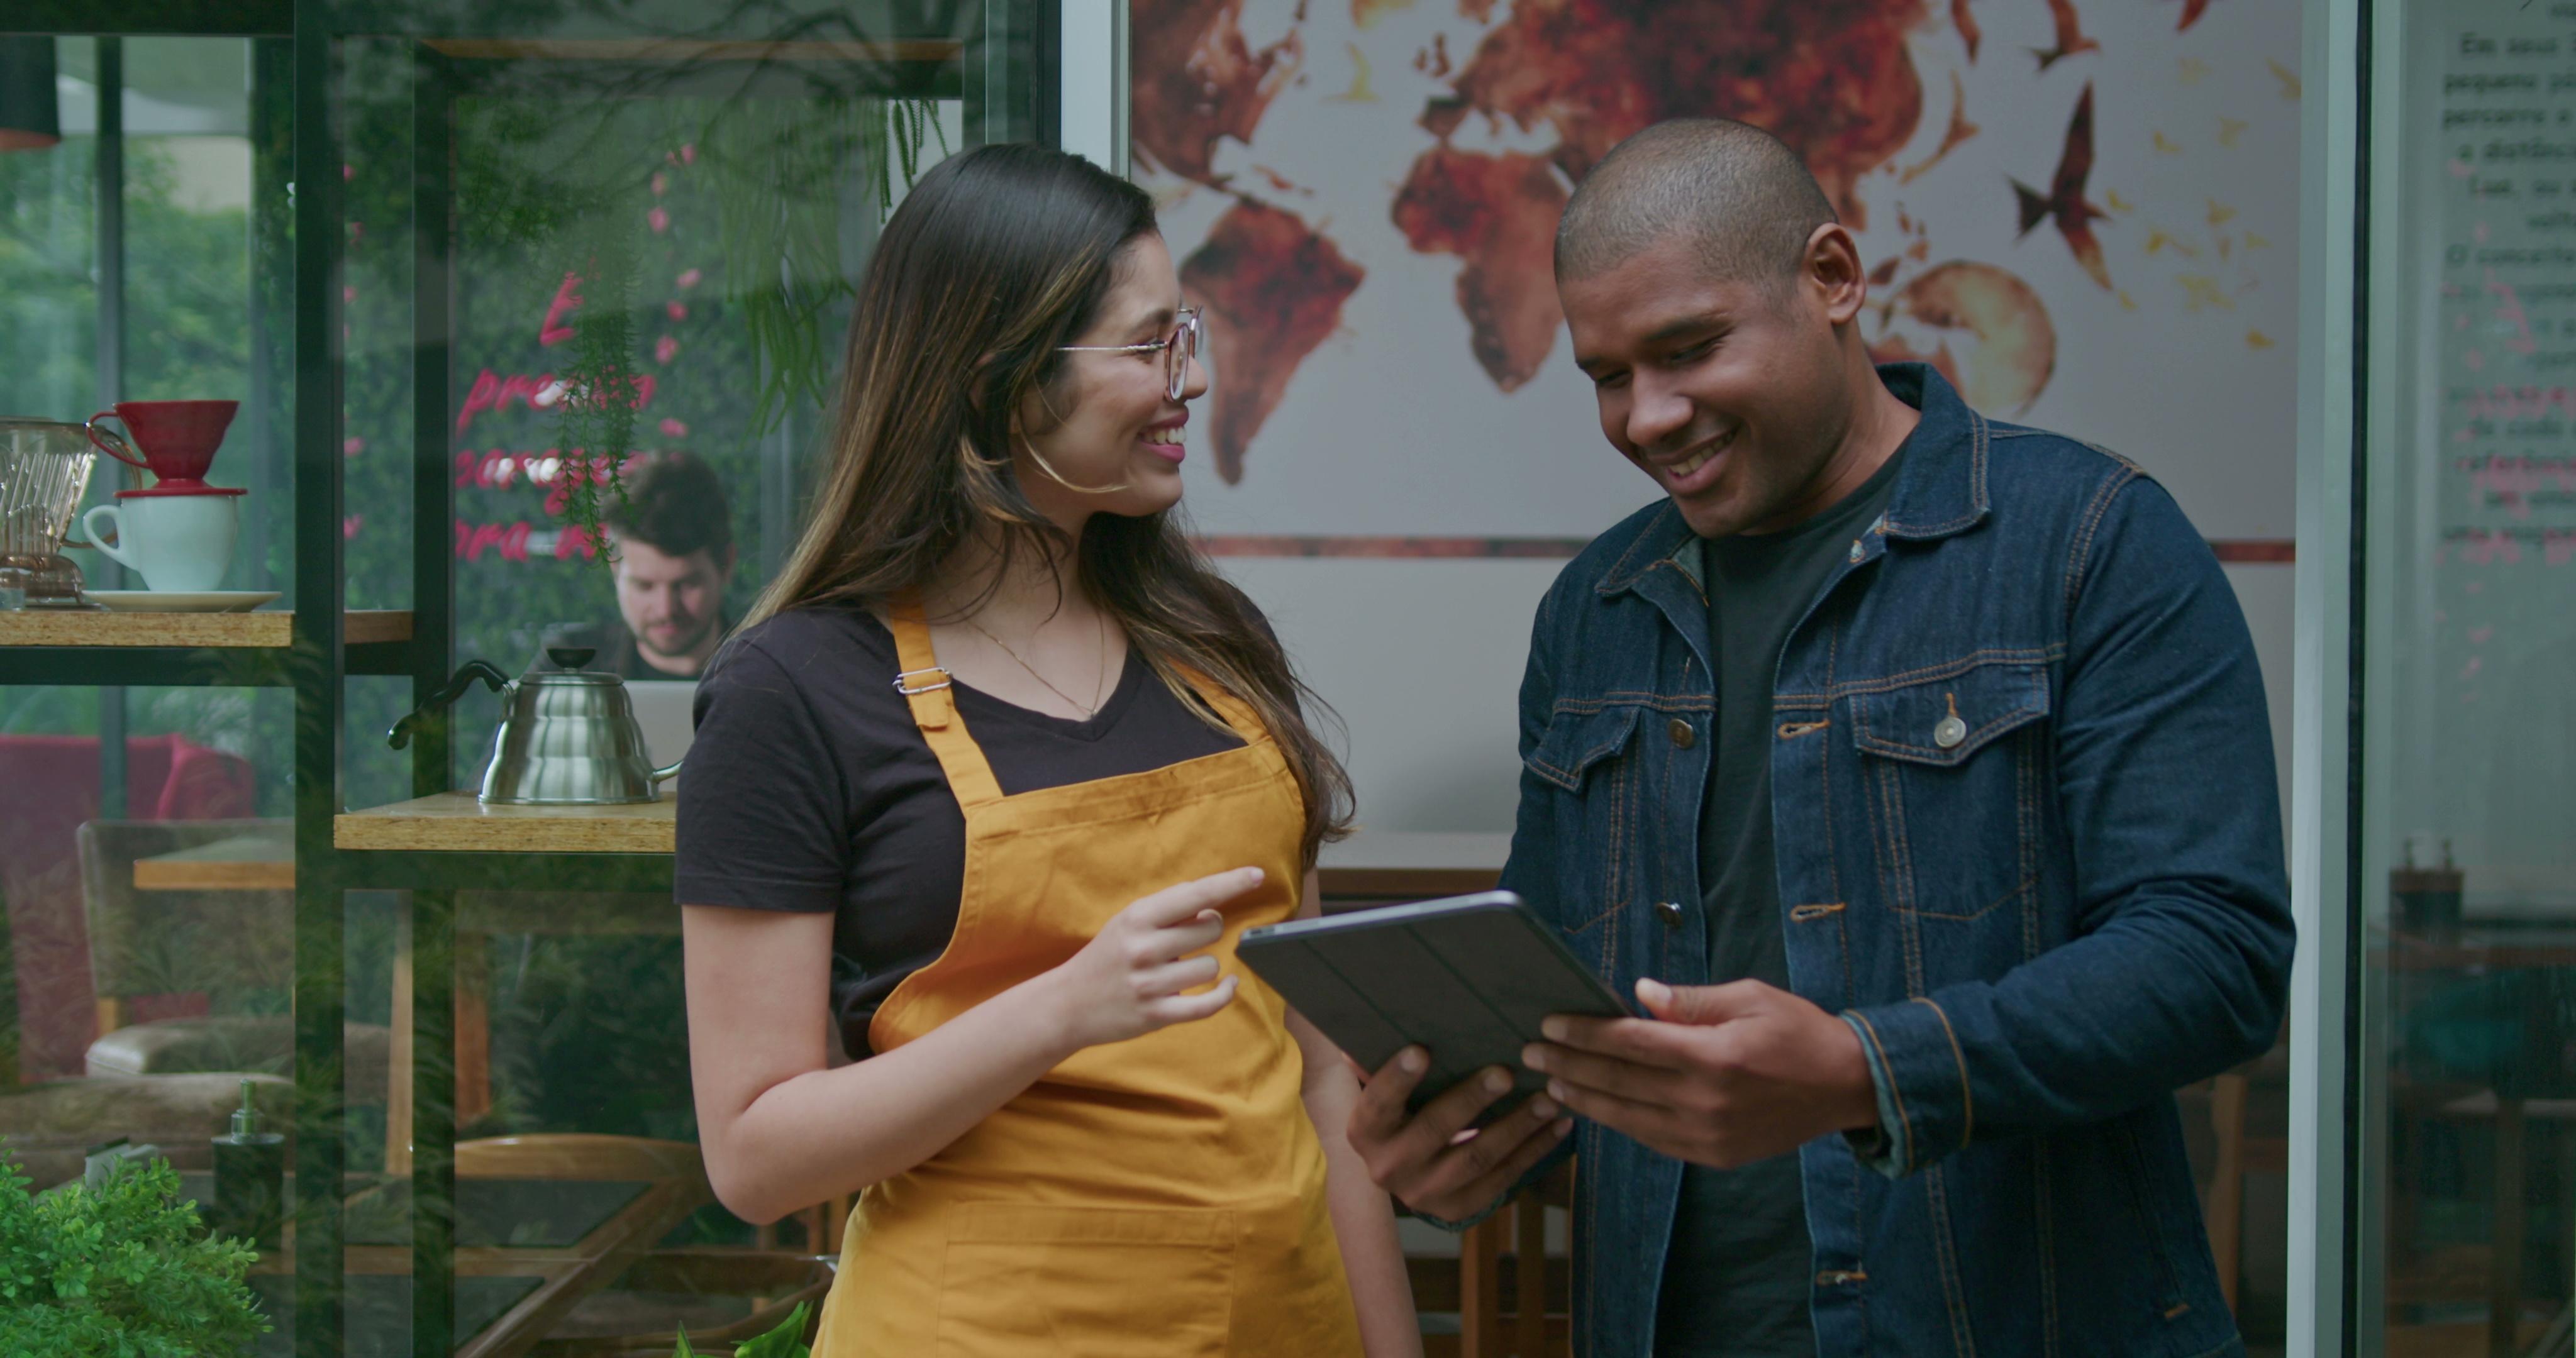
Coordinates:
2029 847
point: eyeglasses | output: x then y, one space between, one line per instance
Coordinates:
1178 347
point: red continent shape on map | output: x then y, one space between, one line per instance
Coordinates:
1197 80
1497 212
1832 78
1270 288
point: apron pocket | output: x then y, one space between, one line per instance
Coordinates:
1086 1282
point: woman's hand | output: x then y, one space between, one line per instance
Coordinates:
1127 981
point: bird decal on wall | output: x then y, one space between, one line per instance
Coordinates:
2064 202
2070 35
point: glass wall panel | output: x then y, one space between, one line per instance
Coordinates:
594 268
2467 837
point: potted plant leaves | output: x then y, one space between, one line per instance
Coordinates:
786 1341
118 1270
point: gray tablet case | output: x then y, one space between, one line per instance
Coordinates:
1469 978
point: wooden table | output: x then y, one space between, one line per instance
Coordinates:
454 822
263 861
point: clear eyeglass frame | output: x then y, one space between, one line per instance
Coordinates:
1178 347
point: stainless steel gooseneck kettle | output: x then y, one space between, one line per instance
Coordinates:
568 736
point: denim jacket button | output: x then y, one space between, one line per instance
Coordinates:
1670 912
1856 550
1682 733
1949 733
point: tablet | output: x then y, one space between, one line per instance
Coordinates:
1468 978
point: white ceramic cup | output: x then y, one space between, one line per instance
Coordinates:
182 544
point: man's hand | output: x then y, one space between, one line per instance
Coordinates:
1721 1075
1425 1161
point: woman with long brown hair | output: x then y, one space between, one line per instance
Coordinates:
993 777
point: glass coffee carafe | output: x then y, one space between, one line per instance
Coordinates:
44 471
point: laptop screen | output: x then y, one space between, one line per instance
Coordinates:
664 708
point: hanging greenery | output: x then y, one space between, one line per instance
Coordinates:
572 202
782 163
600 386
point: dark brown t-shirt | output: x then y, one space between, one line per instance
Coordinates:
810 789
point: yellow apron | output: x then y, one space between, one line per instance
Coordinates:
1156 1198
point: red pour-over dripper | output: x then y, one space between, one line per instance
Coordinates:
177 439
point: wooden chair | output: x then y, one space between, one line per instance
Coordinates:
1511 1296
2237 1153
675 1185
776 1283
700 1288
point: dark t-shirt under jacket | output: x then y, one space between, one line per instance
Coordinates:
1736 1280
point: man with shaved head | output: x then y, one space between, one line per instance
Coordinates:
1912 771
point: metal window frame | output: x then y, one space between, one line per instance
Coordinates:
1092 102
2336 263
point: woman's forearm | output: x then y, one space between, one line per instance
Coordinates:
829 1132
1364 1220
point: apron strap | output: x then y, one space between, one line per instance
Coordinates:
1236 712
924 686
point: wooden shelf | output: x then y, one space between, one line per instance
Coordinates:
453 822
44 627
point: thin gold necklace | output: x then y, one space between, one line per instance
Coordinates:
1099 681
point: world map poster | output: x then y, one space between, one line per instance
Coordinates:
2082 211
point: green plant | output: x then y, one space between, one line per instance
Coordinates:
600 392
786 1341
558 186
120 1271
782 163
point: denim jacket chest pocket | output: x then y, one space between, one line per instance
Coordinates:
1590 756
1955 771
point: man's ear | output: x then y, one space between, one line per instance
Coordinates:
1831 266
724 567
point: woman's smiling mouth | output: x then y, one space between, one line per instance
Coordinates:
1169 441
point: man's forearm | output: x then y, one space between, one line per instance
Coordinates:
2172 990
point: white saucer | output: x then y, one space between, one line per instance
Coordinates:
175 601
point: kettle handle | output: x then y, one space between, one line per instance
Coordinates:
447 693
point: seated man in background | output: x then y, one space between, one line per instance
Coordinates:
673 548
